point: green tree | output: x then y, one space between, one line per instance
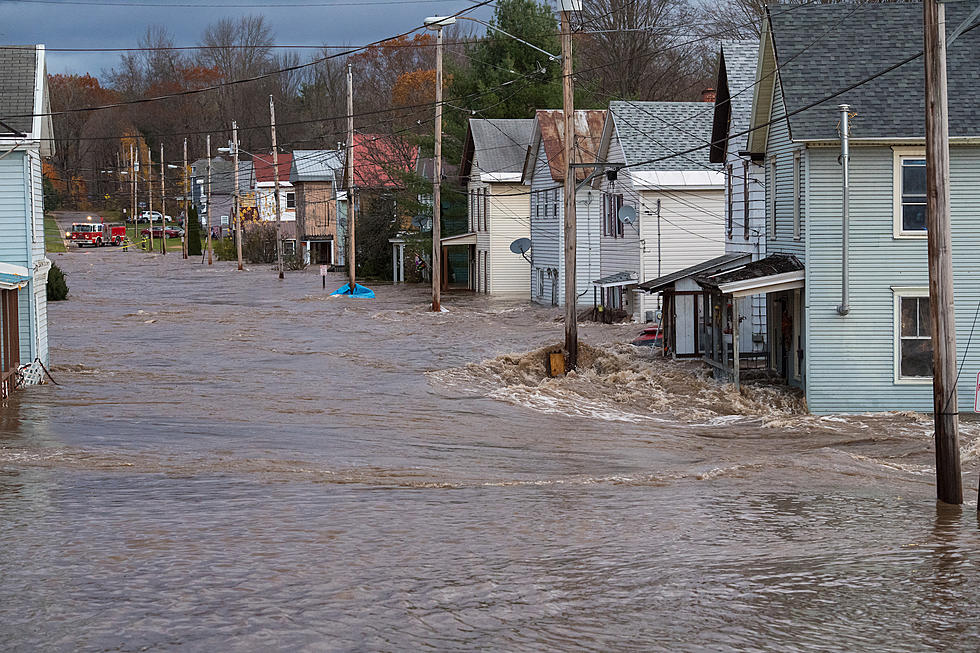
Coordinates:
57 287
52 198
193 227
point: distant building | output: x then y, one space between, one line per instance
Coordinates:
313 175
265 196
23 265
221 207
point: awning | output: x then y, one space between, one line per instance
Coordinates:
462 239
619 279
13 277
771 274
711 266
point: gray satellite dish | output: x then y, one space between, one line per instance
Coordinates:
627 214
520 245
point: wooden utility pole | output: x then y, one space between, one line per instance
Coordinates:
187 212
149 194
949 481
437 186
351 250
132 190
568 108
163 203
207 220
275 180
236 203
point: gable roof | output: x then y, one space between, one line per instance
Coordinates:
499 146
379 159
24 94
223 174
264 170
657 131
549 130
315 165
733 101
821 49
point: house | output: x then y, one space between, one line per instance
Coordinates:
498 206
25 136
265 199
313 175
662 213
222 200
544 173
876 353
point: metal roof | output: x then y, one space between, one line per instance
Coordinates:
823 48
618 279
315 165
659 130
18 74
711 265
550 128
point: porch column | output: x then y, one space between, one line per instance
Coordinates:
735 363
394 262
401 263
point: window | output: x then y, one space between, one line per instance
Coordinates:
610 207
745 199
486 209
797 193
913 335
731 218
772 196
289 247
290 200
909 192
557 199
540 287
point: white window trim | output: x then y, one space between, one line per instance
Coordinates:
797 213
897 293
772 195
899 153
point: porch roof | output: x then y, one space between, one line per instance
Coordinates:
723 262
13 277
771 274
624 278
461 239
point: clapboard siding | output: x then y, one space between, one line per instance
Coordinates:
546 234
509 220
780 238
13 200
620 254
850 359
741 171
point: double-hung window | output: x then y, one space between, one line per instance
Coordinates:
910 193
913 335
731 203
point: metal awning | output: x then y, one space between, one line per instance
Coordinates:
771 274
462 239
711 266
619 279
13 277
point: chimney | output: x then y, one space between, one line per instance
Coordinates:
708 95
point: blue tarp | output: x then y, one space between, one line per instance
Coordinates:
360 292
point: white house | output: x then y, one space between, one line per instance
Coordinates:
25 135
498 204
678 201
544 173
265 195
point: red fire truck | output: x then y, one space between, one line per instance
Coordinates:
96 234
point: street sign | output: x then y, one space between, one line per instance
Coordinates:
224 220
323 273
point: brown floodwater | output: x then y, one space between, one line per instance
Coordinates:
233 462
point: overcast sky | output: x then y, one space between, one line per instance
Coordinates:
77 24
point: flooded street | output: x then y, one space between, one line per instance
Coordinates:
233 462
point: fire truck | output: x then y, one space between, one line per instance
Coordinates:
96 234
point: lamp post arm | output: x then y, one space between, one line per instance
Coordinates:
552 57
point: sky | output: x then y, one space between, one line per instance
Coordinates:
121 23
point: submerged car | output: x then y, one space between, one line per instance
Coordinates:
651 336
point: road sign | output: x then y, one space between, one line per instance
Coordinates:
323 273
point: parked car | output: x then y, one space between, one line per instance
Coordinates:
172 232
153 216
652 336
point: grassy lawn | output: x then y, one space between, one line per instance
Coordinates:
173 244
53 238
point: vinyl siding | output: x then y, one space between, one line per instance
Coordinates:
621 254
13 200
509 220
850 359
752 310
781 240
546 235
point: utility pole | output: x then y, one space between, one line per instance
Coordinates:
949 481
149 193
568 108
275 180
207 220
351 268
163 203
437 183
132 189
235 206
187 212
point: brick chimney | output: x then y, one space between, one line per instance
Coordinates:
708 95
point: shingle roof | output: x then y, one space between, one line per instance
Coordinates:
704 267
823 48
737 62
498 145
767 267
265 171
315 165
659 130
18 69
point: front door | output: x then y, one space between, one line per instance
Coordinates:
9 340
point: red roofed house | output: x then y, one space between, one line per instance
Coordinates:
379 160
265 190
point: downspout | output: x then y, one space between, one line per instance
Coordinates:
844 308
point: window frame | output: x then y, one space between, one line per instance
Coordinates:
291 196
731 201
797 195
898 293
745 199
772 196
900 154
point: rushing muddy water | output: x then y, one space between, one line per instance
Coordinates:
232 462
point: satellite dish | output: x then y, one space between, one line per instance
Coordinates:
627 214
419 221
520 245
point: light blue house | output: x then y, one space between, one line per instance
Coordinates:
24 139
877 354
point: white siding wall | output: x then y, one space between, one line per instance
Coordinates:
752 310
509 220
546 235
621 254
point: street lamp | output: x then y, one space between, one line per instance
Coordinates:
436 23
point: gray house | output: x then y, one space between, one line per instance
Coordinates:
222 190
878 355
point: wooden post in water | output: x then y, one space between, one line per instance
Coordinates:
736 368
149 194
207 220
163 203
949 481
275 183
568 106
236 206
187 211
351 249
